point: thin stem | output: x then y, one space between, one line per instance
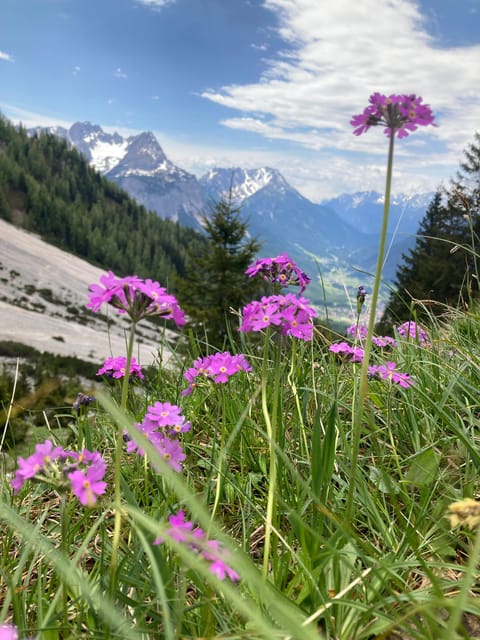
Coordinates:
117 465
363 382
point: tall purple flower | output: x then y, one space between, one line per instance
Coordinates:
117 368
399 114
293 316
219 367
136 297
281 270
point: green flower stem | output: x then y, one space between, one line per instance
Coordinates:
118 465
362 397
271 427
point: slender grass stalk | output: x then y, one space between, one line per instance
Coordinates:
362 397
461 599
117 464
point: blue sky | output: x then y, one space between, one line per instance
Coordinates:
252 82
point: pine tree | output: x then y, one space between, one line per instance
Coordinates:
215 283
442 268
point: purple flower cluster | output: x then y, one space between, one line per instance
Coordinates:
136 297
354 354
161 425
8 632
83 472
281 270
388 371
83 400
219 367
360 332
398 113
290 314
411 329
117 367
183 531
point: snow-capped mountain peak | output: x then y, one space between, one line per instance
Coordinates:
240 184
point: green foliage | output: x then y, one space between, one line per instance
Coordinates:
48 187
441 269
215 284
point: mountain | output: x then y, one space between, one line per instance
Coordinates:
364 210
138 165
279 213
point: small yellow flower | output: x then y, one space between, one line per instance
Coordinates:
465 512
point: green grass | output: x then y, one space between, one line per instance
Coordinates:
268 472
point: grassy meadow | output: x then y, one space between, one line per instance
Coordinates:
282 536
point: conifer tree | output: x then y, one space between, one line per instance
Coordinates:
442 268
215 283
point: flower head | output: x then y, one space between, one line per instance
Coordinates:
44 456
81 472
281 270
388 371
117 368
465 512
355 354
292 315
136 297
184 532
220 367
399 114
411 329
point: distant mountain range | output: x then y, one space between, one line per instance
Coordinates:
337 234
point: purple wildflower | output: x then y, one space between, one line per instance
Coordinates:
220 367
411 329
291 314
358 331
281 270
355 354
83 400
398 113
117 367
162 423
383 341
82 472
44 456
184 532
135 297
7 632
388 371
88 485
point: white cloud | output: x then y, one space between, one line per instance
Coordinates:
76 70
155 4
118 73
334 59
6 56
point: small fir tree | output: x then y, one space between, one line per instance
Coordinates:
215 284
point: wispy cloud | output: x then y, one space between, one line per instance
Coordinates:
6 56
76 70
333 60
155 4
119 73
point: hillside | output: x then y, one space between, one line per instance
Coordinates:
48 187
43 292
